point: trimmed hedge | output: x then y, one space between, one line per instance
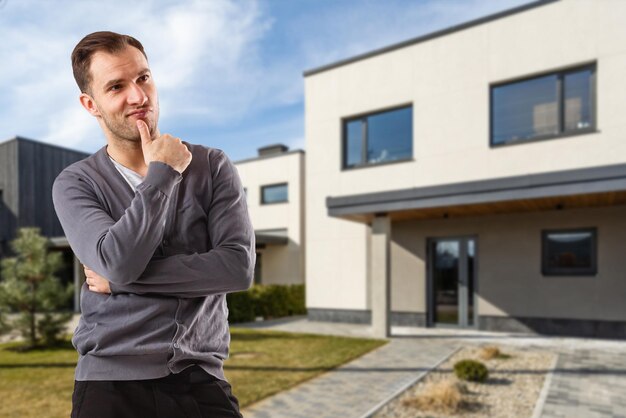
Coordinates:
268 301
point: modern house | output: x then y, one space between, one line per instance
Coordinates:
474 177
27 170
274 185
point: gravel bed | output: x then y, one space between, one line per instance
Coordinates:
511 390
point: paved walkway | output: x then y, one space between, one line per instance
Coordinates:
589 380
588 384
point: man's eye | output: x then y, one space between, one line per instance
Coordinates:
144 77
115 87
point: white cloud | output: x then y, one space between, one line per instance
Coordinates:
200 51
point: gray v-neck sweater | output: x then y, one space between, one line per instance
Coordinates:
171 250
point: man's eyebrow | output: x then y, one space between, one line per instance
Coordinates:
119 80
112 83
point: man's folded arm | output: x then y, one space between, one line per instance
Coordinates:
119 251
227 267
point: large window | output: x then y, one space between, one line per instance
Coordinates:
561 103
378 138
274 193
569 252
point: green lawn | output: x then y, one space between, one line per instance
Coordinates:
39 383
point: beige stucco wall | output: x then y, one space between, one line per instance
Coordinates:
447 79
510 282
281 264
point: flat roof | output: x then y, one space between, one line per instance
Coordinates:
429 36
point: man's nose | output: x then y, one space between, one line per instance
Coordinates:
136 95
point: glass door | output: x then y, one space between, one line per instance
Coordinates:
452 281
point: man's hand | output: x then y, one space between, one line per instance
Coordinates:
164 148
96 282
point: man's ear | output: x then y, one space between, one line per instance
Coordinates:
89 104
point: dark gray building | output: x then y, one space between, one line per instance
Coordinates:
27 170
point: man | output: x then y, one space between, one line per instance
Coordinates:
163 231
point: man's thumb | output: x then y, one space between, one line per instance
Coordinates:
143 132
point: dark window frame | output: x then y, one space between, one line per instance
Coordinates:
561 73
363 117
263 202
591 271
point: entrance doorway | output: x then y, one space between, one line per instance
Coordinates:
452 282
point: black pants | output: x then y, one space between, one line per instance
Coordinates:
193 393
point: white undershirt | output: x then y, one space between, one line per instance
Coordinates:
132 177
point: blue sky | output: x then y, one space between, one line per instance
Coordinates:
229 73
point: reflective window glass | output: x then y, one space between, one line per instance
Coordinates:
387 136
542 107
569 252
274 194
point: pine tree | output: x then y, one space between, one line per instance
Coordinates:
30 288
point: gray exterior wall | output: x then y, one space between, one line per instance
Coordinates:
510 282
27 170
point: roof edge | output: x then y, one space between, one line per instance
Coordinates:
47 144
560 178
264 157
436 34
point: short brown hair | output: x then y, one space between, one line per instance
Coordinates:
110 42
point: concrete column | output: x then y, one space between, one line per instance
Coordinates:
380 276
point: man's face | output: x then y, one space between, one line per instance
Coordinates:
123 91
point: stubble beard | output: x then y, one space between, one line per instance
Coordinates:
122 128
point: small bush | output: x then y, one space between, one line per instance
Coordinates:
444 396
490 352
471 370
267 301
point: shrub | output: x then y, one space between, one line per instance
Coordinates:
490 352
471 370
444 396
267 301
240 307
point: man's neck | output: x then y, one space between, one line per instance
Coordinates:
129 154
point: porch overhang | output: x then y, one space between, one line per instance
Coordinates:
276 236
587 187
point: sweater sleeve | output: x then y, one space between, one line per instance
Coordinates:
227 267
119 251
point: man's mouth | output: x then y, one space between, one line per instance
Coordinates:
139 113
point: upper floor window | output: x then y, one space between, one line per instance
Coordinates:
552 105
274 193
378 138
569 252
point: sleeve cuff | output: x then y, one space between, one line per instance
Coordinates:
162 176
